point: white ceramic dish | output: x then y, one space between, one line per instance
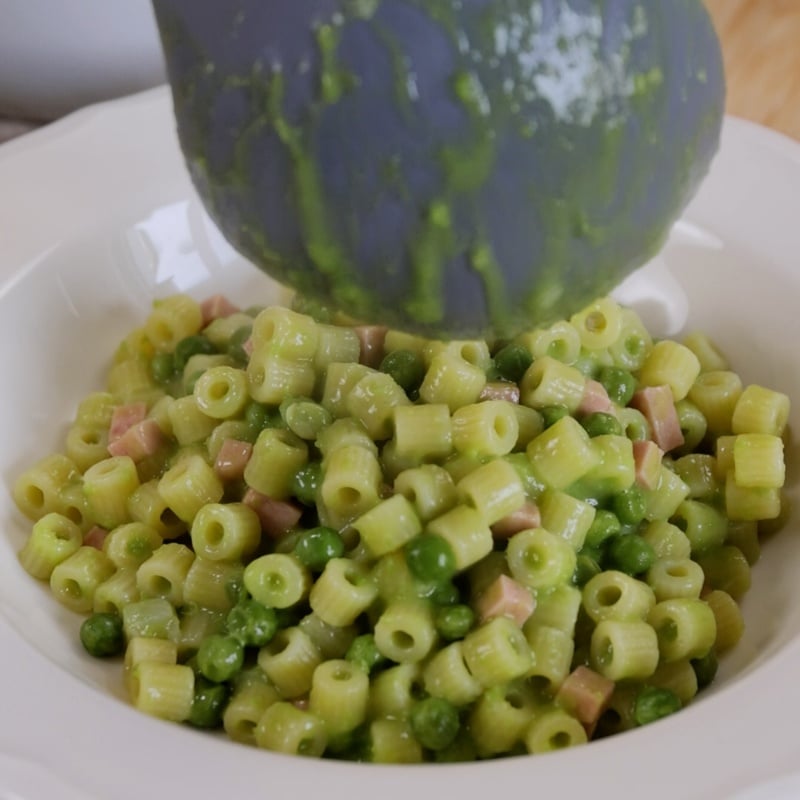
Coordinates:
98 217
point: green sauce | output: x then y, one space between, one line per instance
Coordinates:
429 253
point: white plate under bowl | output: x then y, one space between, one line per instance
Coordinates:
97 217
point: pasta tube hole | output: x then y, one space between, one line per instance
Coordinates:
595 322
403 640
218 390
558 349
668 631
677 571
472 353
354 577
158 586
74 514
214 533
634 345
71 588
348 496
501 427
560 740
532 557
609 595
34 496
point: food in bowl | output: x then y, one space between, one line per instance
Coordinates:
333 539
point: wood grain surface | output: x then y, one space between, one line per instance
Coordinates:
761 47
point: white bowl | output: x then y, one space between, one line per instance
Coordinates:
58 56
96 222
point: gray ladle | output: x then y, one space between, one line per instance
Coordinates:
454 167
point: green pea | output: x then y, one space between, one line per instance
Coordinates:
454 622
552 414
587 365
406 367
220 658
434 722
364 652
512 361
430 558
102 636
653 703
443 594
252 623
600 424
586 567
191 346
305 483
618 383
630 505
317 546
352 745
604 525
162 367
258 416
208 704
705 668
235 346
631 554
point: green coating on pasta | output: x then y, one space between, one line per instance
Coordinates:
421 562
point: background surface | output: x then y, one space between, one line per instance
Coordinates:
761 47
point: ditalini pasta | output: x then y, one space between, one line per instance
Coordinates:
336 540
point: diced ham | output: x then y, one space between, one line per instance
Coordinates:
125 417
277 516
595 399
371 338
139 441
215 307
247 346
504 597
232 458
585 693
524 518
500 390
95 537
647 460
658 407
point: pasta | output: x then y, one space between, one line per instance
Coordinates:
425 551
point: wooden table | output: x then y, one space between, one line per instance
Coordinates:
761 47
